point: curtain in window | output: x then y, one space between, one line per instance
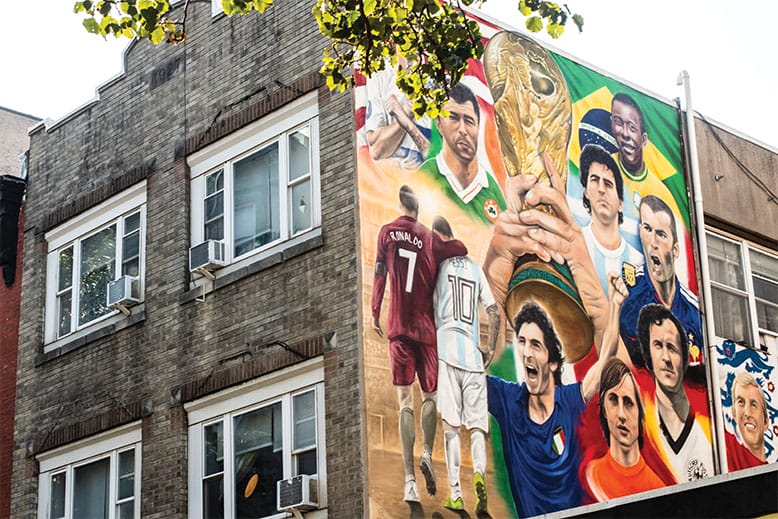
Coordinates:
90 494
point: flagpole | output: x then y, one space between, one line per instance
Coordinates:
719 444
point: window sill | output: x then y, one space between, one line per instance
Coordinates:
90 334
275 255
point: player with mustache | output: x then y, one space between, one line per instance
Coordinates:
456 169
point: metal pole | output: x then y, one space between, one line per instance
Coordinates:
712 371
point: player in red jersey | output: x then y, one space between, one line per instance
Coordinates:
410 253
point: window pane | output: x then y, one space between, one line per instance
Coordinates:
256 200
90 492
301 207
57 496
132 223
127 510
304 420
131 246
126 474
764 265
131 268
724 262
730 316
65 269
299 153
767 316
258 461
64 309
214 182
214 448
97 269
214 230
306 463
214 206
213 497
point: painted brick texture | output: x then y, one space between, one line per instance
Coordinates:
170 100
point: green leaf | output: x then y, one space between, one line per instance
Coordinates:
91 25
534 24
157 35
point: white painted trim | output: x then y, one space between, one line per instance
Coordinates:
249 393
96 445
97 216
254 135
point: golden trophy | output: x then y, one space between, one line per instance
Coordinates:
534 116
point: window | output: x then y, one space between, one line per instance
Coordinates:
88 252
238 454
259 187
744 286
95 478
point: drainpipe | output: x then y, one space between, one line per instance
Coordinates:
707 299
11 195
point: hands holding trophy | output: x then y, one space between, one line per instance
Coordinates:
538 252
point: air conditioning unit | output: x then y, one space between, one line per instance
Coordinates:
298 493
206 256
124 292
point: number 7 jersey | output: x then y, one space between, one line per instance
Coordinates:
409 253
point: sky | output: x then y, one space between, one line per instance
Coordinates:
51 65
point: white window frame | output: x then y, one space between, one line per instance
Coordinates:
758 336
280 386
224 153
76 229
69 457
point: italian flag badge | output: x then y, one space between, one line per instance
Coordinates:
558 443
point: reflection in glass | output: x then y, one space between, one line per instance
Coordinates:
256 200
57 496
97 270
258 449
90 492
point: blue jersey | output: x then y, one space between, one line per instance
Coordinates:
684 308
542 459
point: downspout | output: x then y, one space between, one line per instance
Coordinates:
707 298
11 196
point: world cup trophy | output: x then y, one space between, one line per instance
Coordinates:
533 112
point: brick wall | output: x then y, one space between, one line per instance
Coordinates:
9 343
174 99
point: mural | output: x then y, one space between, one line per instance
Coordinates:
532 340
747 382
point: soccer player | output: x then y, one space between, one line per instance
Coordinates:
749 409
409 253
657 283
680 434
463 359
392 130
456 169
538 417
628 127
622 471
603 191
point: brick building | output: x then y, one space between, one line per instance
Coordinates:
243 358
13 146
210 196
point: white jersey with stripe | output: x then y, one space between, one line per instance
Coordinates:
609 260
461 286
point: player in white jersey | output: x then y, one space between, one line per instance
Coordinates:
460 287
603 191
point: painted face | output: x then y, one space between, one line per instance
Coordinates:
659 248
621 411
750 417
602 194
538 371
666 355
460 129
628 131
